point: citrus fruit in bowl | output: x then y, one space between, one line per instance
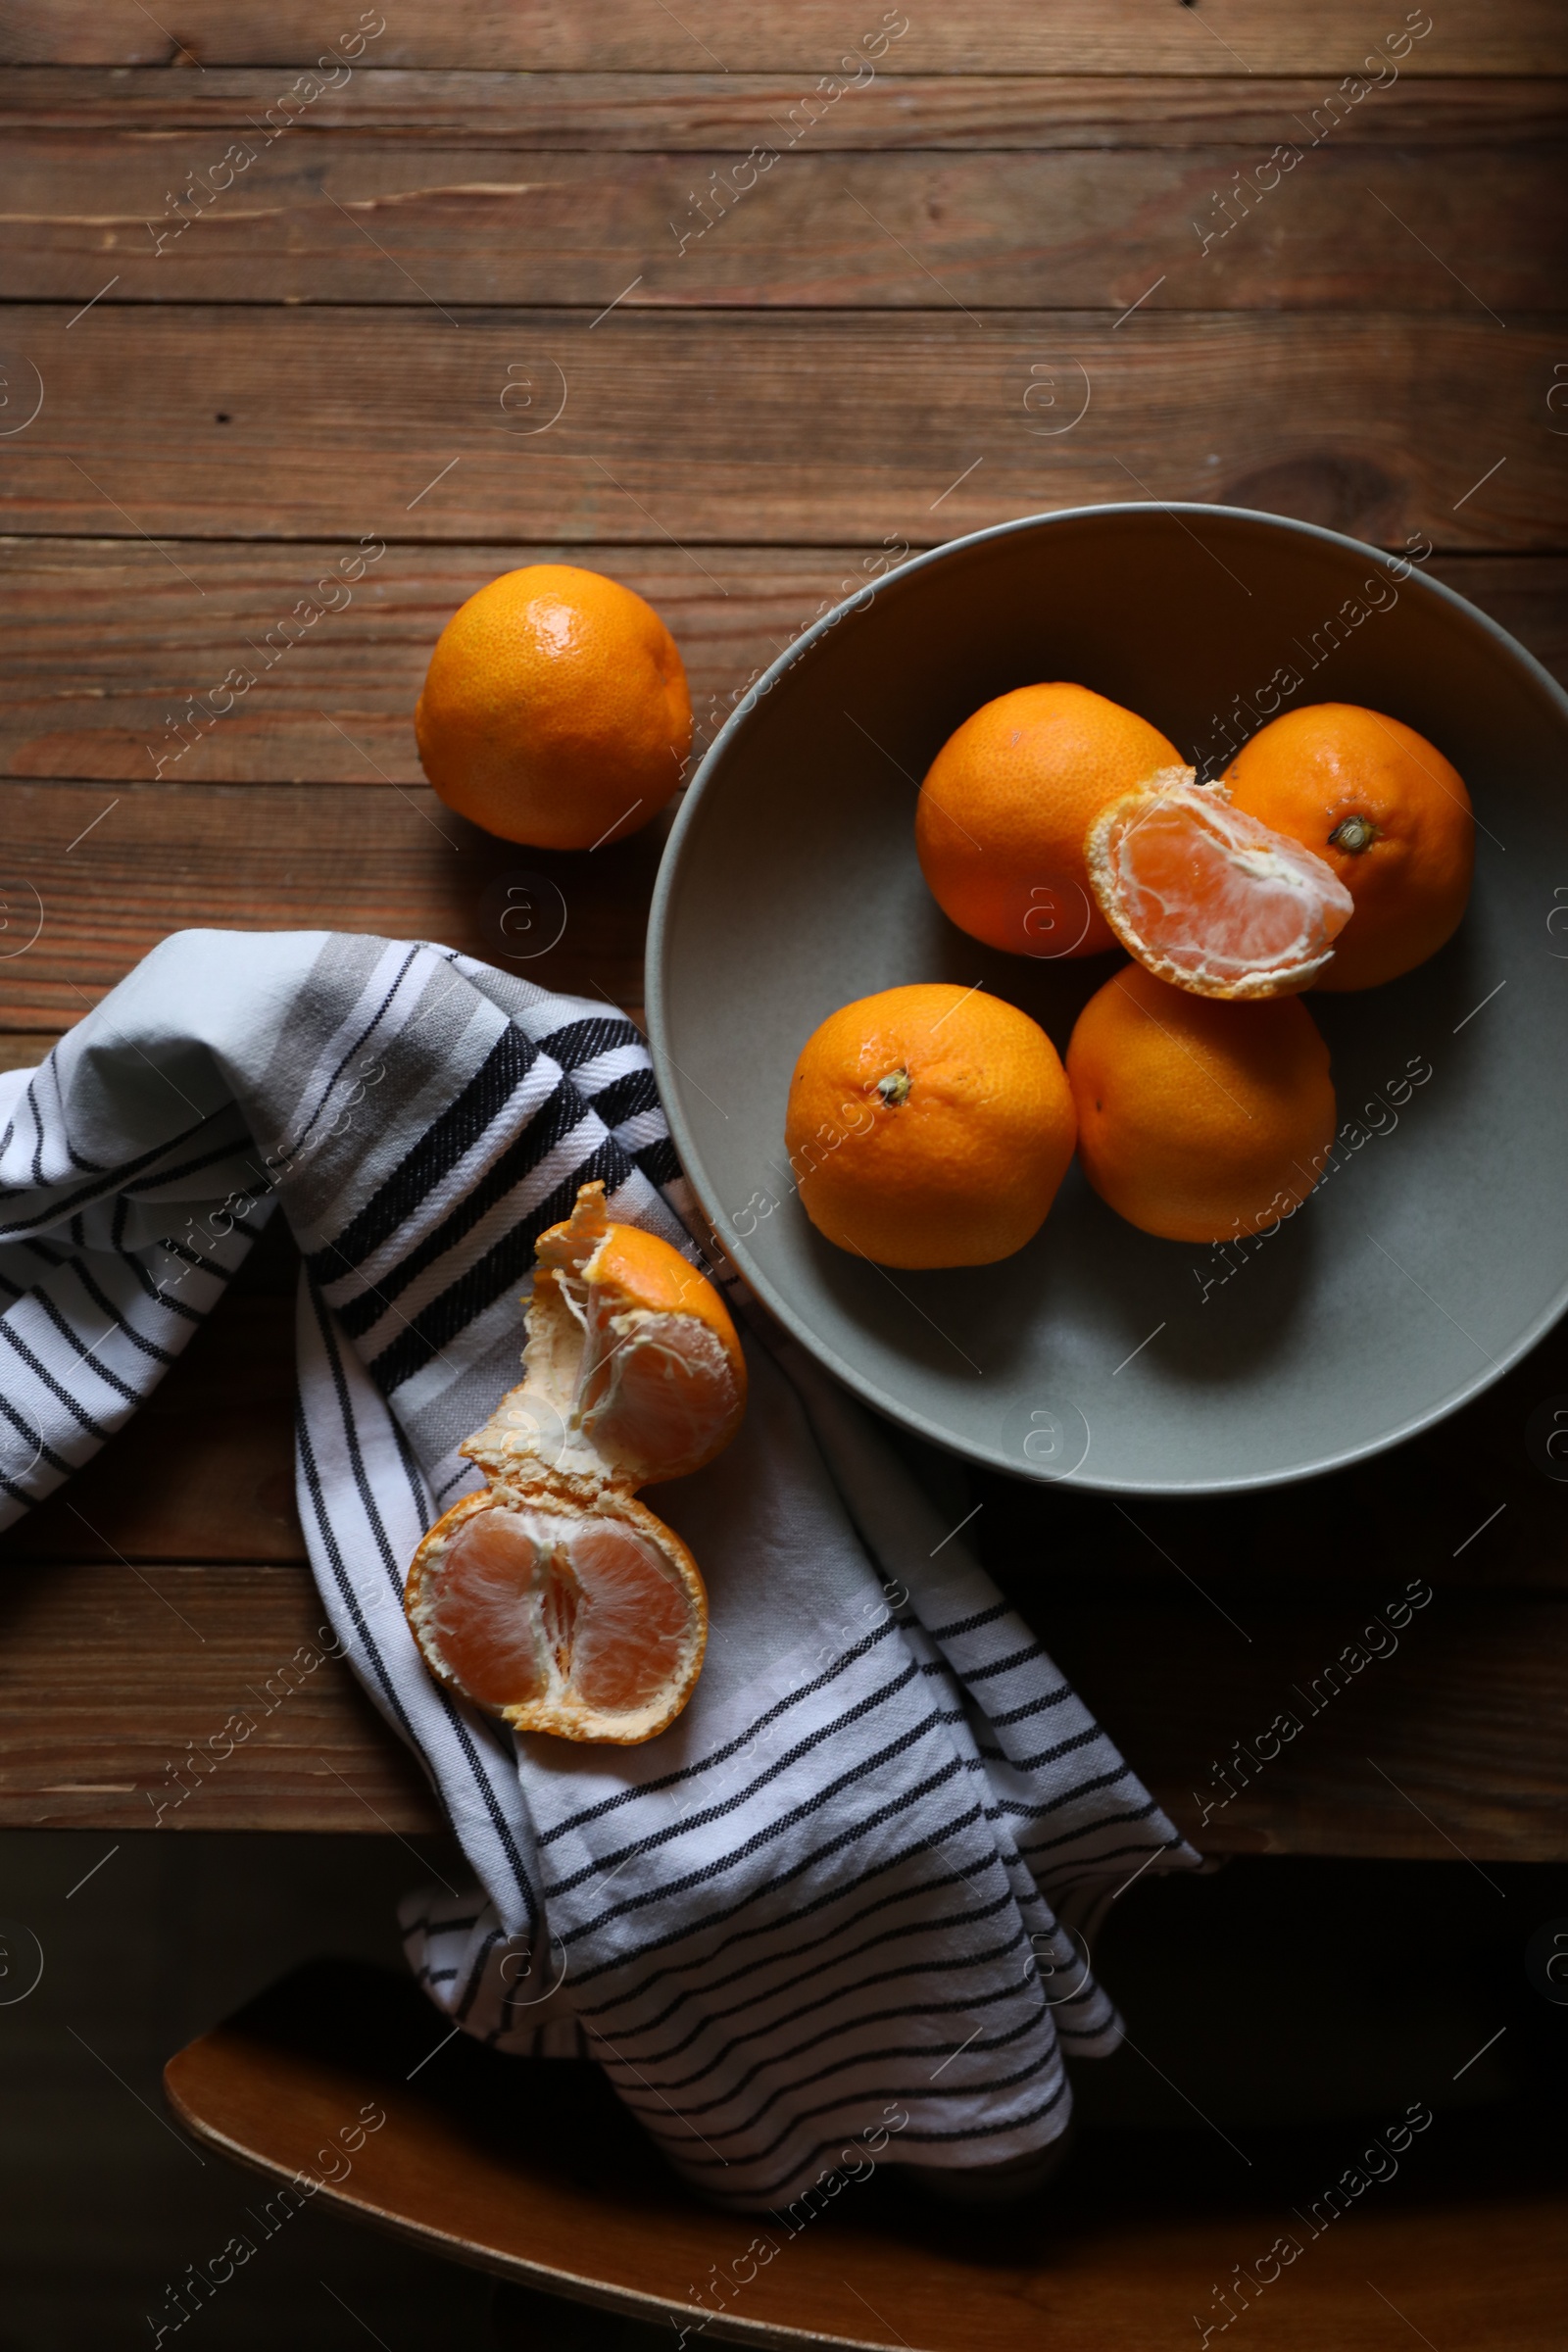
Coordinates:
1428 1250
929 1126
1381 806
1208 898
1007 803
1199 1121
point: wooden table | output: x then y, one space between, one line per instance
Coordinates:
496 285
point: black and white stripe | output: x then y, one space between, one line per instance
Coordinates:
853 1875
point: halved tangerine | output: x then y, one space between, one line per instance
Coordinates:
1208 898
554 1598
588 1621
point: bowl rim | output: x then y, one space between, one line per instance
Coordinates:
667 1072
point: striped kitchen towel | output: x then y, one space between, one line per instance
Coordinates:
846 1893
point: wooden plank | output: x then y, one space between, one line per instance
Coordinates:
632 113
107 1674
1452 1741
379 858
104 645
202 422
205 1474
1328 37
333 218
24 1049
111 1678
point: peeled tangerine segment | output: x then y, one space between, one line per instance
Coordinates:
587 1623
1208 898
556 1599
633 1371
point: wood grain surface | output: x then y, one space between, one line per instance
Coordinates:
176 1556
110 657
198 422
1327 37
288 857
673 112
445 311
205 1474
1429 1753
105 646
335 219
189 1697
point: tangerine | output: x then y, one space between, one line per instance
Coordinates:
1199 1121
1007 802
1383 806
929 1126
554 1598
1207 897
555 709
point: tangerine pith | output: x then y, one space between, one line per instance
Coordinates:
554 1599
1210 898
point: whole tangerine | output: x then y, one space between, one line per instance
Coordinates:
1381 806
555 709
1007 803
1200 1118
929 1126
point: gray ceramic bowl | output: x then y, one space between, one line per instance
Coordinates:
1432 1257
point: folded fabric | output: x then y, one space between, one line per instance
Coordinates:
846 1893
